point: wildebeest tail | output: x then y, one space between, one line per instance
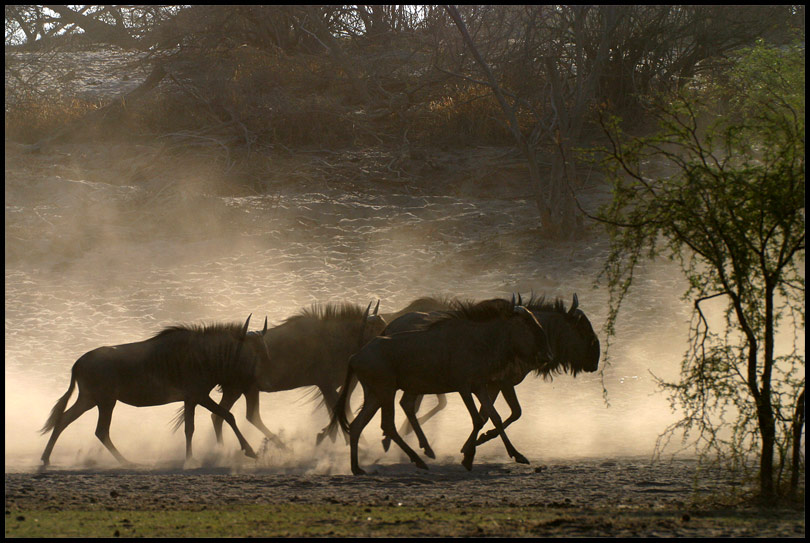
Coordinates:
179 418
59 409
339 415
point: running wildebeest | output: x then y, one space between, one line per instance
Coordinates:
180 363
311 348
574 345
458 351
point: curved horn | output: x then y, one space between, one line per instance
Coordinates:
365 314
376 307
513 298
245 327
520 299
265 325
574 305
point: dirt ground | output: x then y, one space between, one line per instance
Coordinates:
610 497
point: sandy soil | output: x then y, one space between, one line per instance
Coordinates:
591 496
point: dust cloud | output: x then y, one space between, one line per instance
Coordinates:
94 261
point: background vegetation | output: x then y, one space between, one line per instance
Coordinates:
403 78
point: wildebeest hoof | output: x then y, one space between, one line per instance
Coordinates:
358 471
386 442
250 454
520 459
429 453
467 462
420 464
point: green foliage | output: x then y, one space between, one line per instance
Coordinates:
726 199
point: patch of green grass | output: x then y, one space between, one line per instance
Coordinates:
336 520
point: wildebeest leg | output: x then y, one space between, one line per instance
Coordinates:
493 389
105 410
370 407
409 406
390 430
486 402
408 426
438 407
212 406
252 401
82 405
188 416
229 397
512 401
469 446
330 397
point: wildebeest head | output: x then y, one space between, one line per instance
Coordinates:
252 343
574 342
373 324
589 360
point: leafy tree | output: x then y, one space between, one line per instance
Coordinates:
727 203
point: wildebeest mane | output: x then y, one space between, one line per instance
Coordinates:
213 329
428 302
202 352
470 310
330 311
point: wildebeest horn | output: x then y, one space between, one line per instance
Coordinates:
513 298
574 305
520 299
376 307
365 315
265 325
245 328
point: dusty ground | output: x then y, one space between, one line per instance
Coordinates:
631 497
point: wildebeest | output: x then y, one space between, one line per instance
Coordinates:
180 363
574 345
458 351
311 348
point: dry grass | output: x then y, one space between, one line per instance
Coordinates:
32 117
246 96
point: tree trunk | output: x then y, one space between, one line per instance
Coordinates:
765 414
798 425
767 430
545 199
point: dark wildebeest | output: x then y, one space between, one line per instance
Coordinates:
311 348
180 363
574 345
458 351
